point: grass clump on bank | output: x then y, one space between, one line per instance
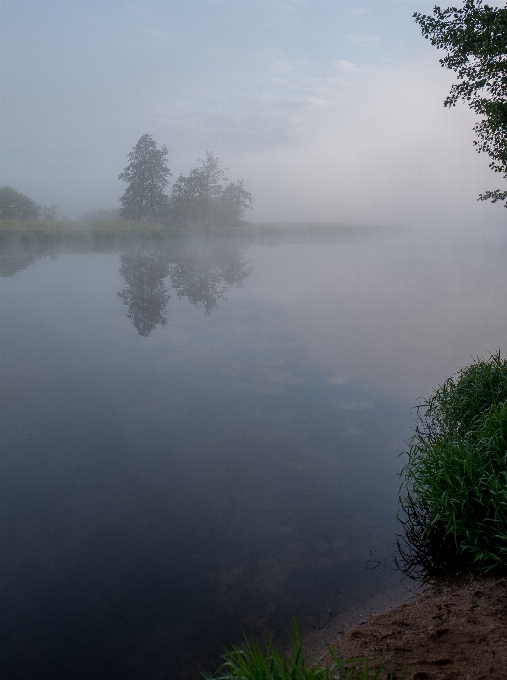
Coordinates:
455 480
253 662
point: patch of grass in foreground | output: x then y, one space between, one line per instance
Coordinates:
253 662
456 475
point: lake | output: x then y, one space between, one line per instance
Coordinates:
202 439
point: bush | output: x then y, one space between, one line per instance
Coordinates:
455 480
16 206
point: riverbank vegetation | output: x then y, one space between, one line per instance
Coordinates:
44 237
253 662
16 206
453 502
201 203
35 233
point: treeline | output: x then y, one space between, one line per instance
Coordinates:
16 206
202 198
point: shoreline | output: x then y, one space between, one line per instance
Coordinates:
455 629
37 233
341 623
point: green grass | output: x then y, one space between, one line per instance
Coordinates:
255 662
455 480
34 232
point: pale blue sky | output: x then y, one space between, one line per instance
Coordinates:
332 110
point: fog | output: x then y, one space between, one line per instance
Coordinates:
203 436
202 424
331 111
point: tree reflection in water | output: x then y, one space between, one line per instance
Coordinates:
146 294
12 263
203 278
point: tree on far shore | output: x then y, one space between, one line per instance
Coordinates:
16 206
231 205
191 196
147 178
201 199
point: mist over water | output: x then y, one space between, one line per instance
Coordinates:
202 439
201 436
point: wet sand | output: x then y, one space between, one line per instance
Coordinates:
452 630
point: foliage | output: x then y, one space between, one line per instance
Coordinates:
147 177
191 196
200 199
475 38
456 475
252 662
230 206
197 200
16 206
49 213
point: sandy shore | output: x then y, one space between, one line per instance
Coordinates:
453 630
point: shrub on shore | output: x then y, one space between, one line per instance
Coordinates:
455 479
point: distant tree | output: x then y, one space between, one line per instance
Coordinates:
230 206
201 199
16 206
147 177
475 38
49 213
192 196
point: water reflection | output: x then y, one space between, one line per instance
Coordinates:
204 280
165 496
12 263
201 276
146 293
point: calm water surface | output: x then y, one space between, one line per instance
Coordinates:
203 440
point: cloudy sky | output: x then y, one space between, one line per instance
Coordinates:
333 111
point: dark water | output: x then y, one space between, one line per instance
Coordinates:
203 439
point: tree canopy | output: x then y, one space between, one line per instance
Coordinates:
16 206
192 195
200 197
147 176
198 200
475 37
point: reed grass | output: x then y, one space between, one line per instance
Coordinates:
255 662
38 233
454 506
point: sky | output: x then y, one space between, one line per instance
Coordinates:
332 111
